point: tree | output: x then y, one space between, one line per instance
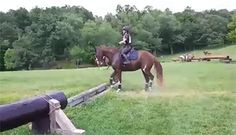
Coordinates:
232 29
107 35
22 18
11 60
78 53
151 27
168 28
94 34
16 59
40 37
215 28
4 45
190 29
8 32
21 55
61 38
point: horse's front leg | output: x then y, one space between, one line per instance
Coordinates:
119 80
112 78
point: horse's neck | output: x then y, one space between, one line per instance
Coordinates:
109 54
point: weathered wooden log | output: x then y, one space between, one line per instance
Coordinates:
215 57
85 96
29 110
209 57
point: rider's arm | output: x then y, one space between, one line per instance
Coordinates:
125 38
122 42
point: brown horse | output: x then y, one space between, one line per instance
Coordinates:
145 61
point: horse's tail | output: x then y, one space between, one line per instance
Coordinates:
159 72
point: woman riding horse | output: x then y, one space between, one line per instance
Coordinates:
145 61
126 42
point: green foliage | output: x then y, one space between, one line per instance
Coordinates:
89 33
96 34
169 27
8 32
147 34
78 53
61 38
21 56
50 35
21 18
4 45
11 59
232 27
107 35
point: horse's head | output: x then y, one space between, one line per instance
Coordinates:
104 55
99 57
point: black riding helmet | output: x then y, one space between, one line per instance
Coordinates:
126 28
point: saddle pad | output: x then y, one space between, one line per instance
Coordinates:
133 55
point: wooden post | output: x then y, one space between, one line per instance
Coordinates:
41 126
29 110
59 122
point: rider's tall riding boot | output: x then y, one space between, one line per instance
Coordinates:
126 59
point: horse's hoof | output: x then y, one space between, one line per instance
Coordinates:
146 87
112 86
150 88
118 90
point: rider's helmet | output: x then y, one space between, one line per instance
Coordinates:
126 29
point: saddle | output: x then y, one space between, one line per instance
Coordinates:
132 54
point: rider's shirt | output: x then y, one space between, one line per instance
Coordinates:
127 39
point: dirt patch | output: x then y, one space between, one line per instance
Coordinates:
170 94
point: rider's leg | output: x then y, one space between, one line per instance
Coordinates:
127 49
124 52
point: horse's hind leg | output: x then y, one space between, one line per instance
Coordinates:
119 73
151 76
147 70
146 80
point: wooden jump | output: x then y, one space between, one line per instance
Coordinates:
210 57
43 111
224 58
87 95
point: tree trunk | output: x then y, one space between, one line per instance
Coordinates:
171 49
185 48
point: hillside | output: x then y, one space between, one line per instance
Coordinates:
228 50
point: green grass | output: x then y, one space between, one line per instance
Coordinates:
21 84
198 98
179 115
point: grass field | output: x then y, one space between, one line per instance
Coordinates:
198 98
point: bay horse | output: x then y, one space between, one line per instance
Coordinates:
145 60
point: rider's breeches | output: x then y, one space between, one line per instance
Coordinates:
125 49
